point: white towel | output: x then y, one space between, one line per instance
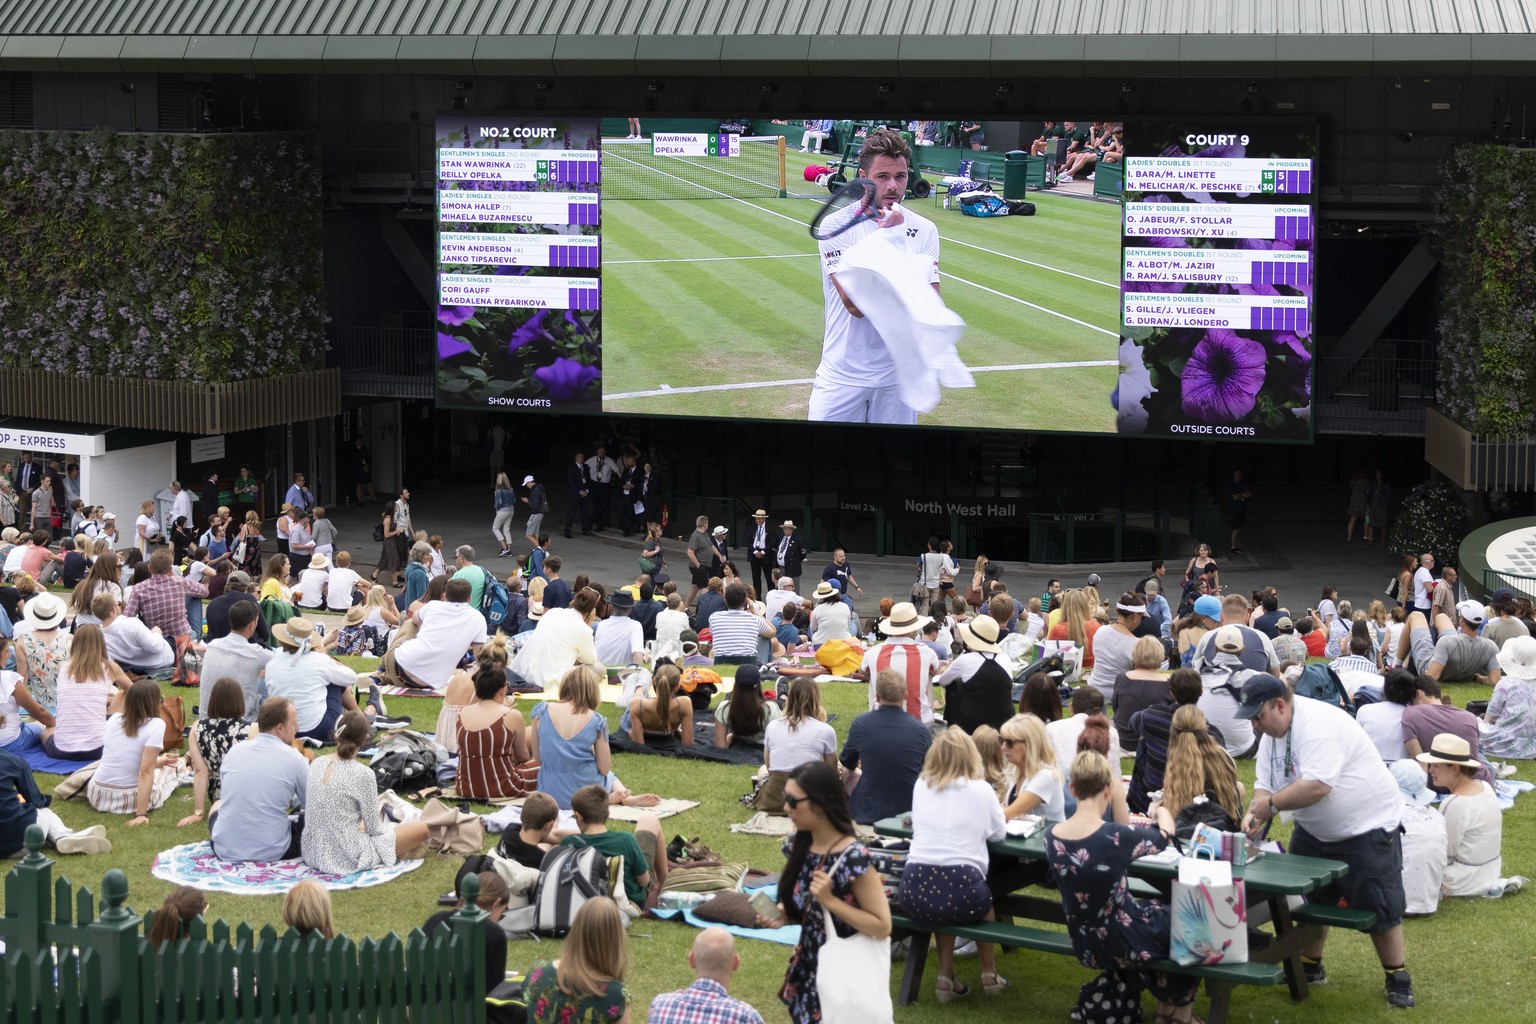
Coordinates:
889 284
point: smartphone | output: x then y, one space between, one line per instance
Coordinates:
765 905
448 899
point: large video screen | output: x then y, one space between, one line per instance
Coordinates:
666 268
1217 285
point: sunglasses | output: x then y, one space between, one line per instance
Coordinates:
1008 742
795 801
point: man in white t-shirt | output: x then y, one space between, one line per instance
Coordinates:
1316 763
619 636
856 380
319 686
340 589
134 646
1423 584
903 653
440 634
309 592
1063 733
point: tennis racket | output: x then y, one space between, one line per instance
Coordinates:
850 205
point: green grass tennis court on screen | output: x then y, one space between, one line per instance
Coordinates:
711 283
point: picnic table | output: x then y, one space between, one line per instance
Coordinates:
1271 880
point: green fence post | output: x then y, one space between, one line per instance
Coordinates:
28 897
469 925
115 937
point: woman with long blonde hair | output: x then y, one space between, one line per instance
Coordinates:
586 983
989 745
1199 766
954 815
1037 780
307 909
800 737
90 687
569 737
1077 623
669 713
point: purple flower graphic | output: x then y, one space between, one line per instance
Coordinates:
448 345
454 315
1223 377
533 330
565 379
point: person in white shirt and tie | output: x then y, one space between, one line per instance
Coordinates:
757 551
602 471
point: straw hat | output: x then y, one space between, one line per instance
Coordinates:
1448 748
355 616
824 591
293 632
903 620
319 561
45 611
979 633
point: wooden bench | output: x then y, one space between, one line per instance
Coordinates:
1334 916
1220 979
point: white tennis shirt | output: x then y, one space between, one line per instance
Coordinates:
852 351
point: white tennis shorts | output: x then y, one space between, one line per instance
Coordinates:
843 403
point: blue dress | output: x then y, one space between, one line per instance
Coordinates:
566 765
1112 930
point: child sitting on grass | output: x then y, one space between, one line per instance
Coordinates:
644 861
528 842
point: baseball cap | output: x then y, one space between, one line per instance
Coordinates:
1502 595
1093 579
1229 639
1472 611
1284 624
1208 605
1258 690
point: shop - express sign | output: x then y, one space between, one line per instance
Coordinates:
44 441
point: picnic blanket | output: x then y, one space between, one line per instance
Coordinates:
703 748
789 935
764 824
29 747
511 813
194 864
409 691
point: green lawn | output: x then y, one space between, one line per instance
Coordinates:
690 300
1470 962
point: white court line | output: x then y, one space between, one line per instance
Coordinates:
1031 263
792 220
750 385
718 259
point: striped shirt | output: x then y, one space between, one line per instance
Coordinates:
915 662
1353 663
735 633
488 765
82 712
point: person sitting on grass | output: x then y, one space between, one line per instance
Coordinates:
134 776
668 715
22 806
319 685
430 644
495 762
307 910
743 716
586 983
644 858
173 920
221 727
263 783
1474 824
493 900
535 835
343 830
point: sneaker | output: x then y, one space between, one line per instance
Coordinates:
312 743
503 553
1315 973
87 840
966 948
1400 990
1507 770
1505 886
389 722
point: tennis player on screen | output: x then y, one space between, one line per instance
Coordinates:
856 381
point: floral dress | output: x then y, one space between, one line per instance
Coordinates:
548 1005
799 991
44 659
250 563
213 737
1112 930
1514 735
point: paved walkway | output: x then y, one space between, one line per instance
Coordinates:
1294 543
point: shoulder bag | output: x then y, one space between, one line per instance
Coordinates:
853 975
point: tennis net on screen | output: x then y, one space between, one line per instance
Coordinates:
632 171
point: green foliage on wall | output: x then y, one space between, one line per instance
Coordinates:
1488 322
191 257
1433 518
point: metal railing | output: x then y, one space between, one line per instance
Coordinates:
383 362
1374 395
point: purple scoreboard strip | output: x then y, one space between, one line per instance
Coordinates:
1297 228
1269 272
585 256
1282 319
583 214
1294 182
582 298
576 172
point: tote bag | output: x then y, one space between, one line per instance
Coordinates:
1210 914
853 975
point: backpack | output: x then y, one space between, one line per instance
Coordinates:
569 876
1020 208
1320 682
406 762
983 204
493 602
1203 810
